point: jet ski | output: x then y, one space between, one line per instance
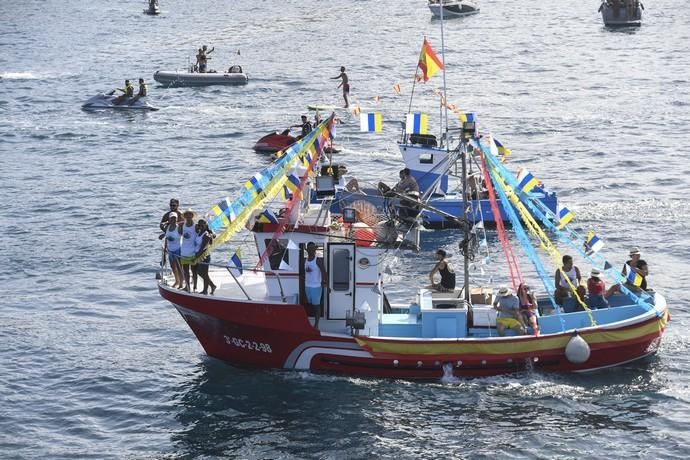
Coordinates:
274 142
107 101
278 141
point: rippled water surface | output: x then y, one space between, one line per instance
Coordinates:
93 364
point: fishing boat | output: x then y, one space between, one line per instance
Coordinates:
153 8
432 161
452 8
172 78
259 316
621 13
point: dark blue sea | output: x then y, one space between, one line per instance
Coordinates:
94 364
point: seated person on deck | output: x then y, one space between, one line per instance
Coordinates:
508 307
596 288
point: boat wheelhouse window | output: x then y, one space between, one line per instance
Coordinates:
279 253
341 270
426 159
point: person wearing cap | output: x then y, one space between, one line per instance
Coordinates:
631 263
172 233
187 245
174 205
508 306
204 237
596 288
444 269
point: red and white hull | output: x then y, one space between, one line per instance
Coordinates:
280 336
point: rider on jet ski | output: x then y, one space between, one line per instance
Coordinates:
128 91
143 92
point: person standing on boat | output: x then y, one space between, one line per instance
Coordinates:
596 290
173 232
563 287
345 84
508 306
315 278
202 57
174 205
446 271
204 237
187 253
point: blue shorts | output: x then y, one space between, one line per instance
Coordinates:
313 295
174 255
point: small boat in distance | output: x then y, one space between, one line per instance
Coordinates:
453 8
174 78
105 101
621 13
153 8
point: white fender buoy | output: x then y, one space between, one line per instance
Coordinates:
577 351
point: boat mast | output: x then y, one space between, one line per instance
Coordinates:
464 247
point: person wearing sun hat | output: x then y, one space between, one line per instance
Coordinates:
508 306
596 288
187 245
634 255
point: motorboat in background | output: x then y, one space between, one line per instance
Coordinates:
173 78
621 13
105 101
153 8
453 8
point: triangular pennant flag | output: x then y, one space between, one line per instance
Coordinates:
267 217
396 88
593 244
526 181
607 265
564 217
235 263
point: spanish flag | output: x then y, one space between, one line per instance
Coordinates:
428 61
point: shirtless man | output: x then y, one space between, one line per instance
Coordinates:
345 83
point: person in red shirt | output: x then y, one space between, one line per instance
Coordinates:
596 288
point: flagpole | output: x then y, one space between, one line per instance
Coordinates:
414 80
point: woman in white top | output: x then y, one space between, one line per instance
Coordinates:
172 240
187 251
